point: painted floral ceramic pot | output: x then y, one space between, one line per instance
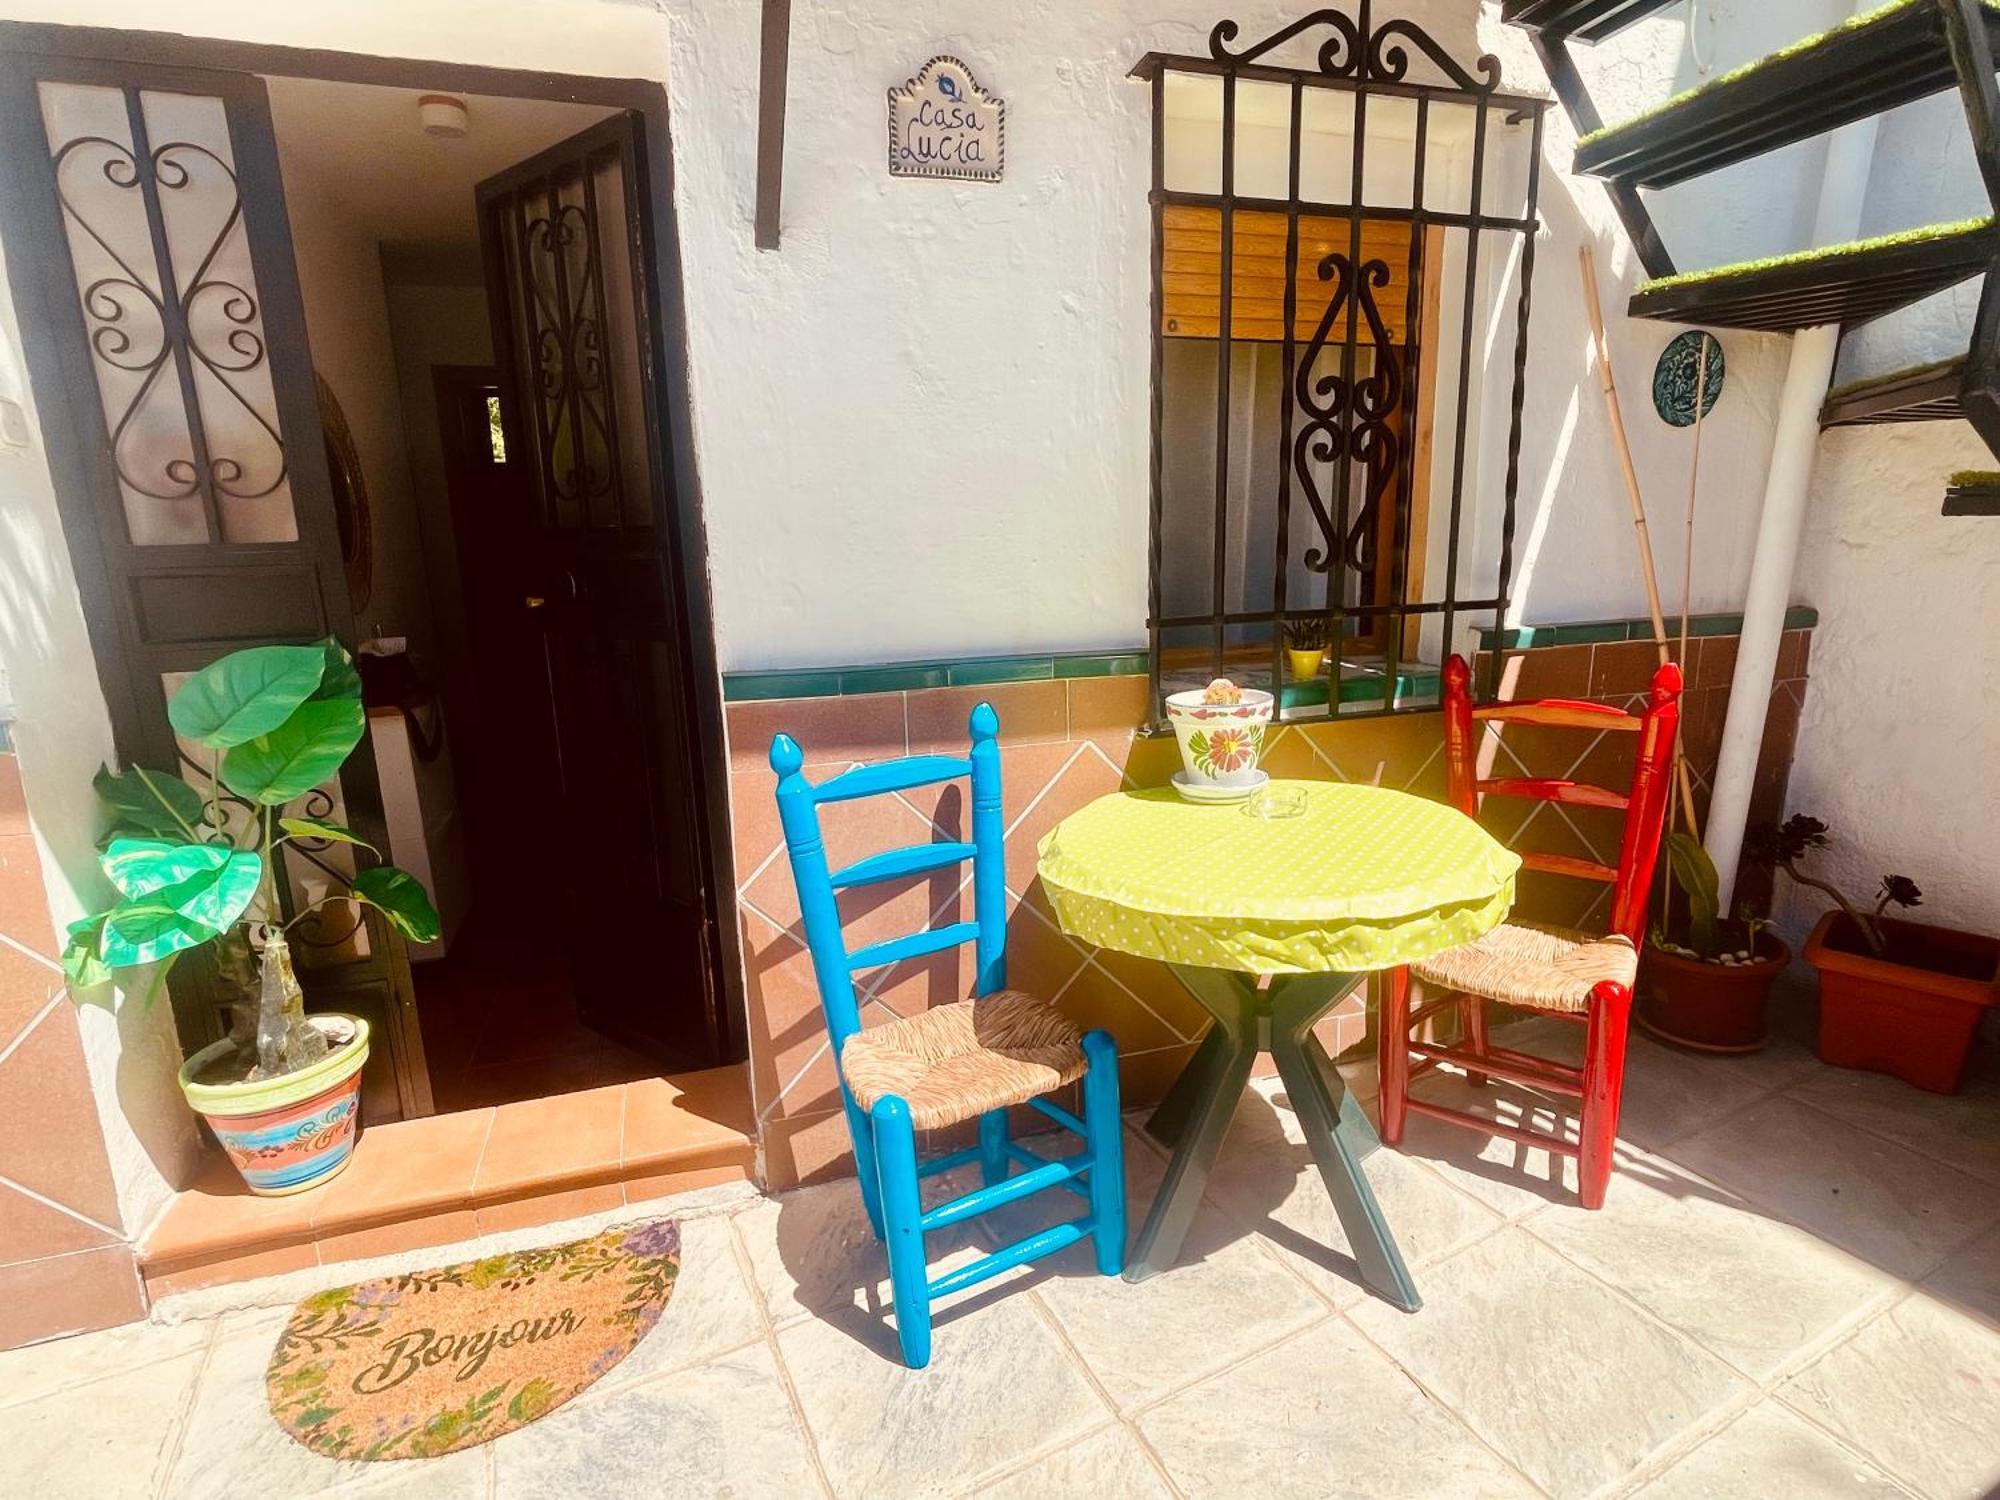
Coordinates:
291 1133
1220 742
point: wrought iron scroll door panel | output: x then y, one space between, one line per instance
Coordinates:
152 264
567 241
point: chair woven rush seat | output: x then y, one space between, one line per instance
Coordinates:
966 1060
1582 977
956 1062
1523 963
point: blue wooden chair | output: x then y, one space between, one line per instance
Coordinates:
972 1059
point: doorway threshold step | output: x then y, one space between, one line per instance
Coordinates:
430 1182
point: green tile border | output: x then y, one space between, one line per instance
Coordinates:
1597 632
912 676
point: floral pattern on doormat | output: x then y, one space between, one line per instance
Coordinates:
420 1364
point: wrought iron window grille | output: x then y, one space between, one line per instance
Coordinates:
1347 419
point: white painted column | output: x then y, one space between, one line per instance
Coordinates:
1788 485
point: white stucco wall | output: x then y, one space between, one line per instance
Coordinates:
1902 722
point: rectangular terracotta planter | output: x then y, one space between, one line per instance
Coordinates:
1891 1017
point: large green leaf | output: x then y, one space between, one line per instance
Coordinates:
83 955
245 694
399 896
320 828
340 679
152 800
148 928
1695 873
299 754
202 887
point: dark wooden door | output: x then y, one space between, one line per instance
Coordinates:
567 244
152 262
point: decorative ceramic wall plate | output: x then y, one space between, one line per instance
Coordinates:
943 124
1678 373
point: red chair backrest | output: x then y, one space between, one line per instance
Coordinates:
1644 803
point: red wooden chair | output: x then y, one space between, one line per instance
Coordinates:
1551 970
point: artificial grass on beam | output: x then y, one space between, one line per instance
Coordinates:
1881 15
1830 254
1975 479
1912 374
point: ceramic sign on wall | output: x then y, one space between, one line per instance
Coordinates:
943 124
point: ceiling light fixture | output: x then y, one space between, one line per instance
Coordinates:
445 116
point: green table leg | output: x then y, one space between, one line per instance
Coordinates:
1204 1112
1170 1115
1338 1133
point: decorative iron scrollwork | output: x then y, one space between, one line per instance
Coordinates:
571 374
1347 421
140 323
1356 51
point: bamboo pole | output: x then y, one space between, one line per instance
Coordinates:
1647 571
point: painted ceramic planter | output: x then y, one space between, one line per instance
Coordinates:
1305 665
1221 743
1913 1012
288 1134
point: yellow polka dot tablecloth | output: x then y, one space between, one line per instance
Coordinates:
1365 878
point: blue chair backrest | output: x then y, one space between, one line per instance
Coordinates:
799 802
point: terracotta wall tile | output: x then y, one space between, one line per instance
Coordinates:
1794 654
1108 709
13 805
46 1299
50 1139
31 1230
24 903
814 1148
1030 713
1715 662
831 731
28 981
1622 669
1544 672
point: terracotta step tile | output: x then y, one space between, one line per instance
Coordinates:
216 1215
689 1119
539 1145
411 1167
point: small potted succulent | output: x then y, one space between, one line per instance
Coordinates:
195 865
1305 646
1706 986
1221 733
1895 996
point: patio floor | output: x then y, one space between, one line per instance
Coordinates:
1794 1290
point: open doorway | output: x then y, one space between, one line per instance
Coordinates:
469 271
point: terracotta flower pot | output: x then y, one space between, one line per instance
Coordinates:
1913 1011
291 1133
1710 1007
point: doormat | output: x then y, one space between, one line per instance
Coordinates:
421 1364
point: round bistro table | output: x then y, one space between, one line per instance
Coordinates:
1362 878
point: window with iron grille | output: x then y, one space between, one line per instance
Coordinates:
1342 257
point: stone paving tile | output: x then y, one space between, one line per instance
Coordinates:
812 1250
1918 1391
1266 1178
1890 1205
1000 1388
464 1475
1751 1288
1321 1414
1969 1279
1547 1365
723 1428
1108 1465
41 1369
1769 1451
713 1309
1962 1129
1226 1298
232 1447
106 1441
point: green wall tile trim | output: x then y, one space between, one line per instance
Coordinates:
911 676
1591 632
1361 688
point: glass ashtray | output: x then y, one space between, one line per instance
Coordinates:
1276 800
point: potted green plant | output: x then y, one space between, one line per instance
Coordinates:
1895 996
1704 983
195 865
1305 646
